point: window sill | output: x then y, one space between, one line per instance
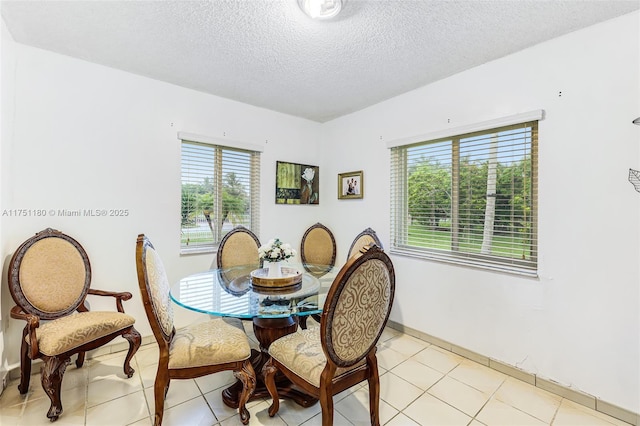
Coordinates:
197 250
468 263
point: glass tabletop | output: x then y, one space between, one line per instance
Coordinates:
229 292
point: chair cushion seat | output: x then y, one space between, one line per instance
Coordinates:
217 341
67 333
302 353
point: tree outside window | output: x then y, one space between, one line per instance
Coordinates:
218 193
468 199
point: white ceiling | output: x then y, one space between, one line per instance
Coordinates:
269 54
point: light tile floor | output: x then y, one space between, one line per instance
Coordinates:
421 384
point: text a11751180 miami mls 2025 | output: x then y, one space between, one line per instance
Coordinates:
65 212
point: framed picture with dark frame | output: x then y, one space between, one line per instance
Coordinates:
350 185
297 183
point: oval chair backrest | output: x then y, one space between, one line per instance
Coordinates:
49 275
363 239
155 289
238 248
318 246
357 307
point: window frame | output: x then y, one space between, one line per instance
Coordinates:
219 146
399 197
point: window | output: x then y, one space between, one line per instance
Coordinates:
220 190
468 199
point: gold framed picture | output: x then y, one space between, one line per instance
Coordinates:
350 185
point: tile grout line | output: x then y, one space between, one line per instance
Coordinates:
144 394
563 392
391 371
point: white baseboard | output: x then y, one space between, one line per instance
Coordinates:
4 380
574 395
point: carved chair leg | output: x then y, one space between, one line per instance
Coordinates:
269 377
247 376
326 404
80 359
53 369
25 367
134 338
160 389
374 391
302 320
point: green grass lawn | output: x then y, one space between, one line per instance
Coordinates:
196 236
506 246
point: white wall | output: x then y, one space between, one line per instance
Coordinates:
7 55
578 323
90 137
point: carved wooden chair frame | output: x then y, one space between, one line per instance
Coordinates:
313 270
360 367
368 235
304 252
226 277
242 370
230 235
54 366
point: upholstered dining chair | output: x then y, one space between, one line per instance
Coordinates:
318 255
197 350
49 279
318 250
363 239
341 353
238 247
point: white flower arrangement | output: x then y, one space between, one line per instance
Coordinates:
276 251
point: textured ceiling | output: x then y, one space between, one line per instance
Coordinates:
269 54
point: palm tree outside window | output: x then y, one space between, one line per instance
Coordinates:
220 190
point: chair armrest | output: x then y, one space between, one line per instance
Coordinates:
33 322
18 313
125 295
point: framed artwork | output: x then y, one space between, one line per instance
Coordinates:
350 185
297 183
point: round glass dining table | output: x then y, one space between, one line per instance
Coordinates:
230 293
274 312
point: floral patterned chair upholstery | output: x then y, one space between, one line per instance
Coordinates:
341 353
363 239
49 279
200 349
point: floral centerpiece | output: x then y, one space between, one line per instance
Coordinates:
274 252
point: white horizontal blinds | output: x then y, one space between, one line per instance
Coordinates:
469 198
429 195
254 192
198 182
219 191
236 187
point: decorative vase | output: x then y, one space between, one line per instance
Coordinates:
275 269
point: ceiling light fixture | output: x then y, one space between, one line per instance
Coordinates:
321 9
637 121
